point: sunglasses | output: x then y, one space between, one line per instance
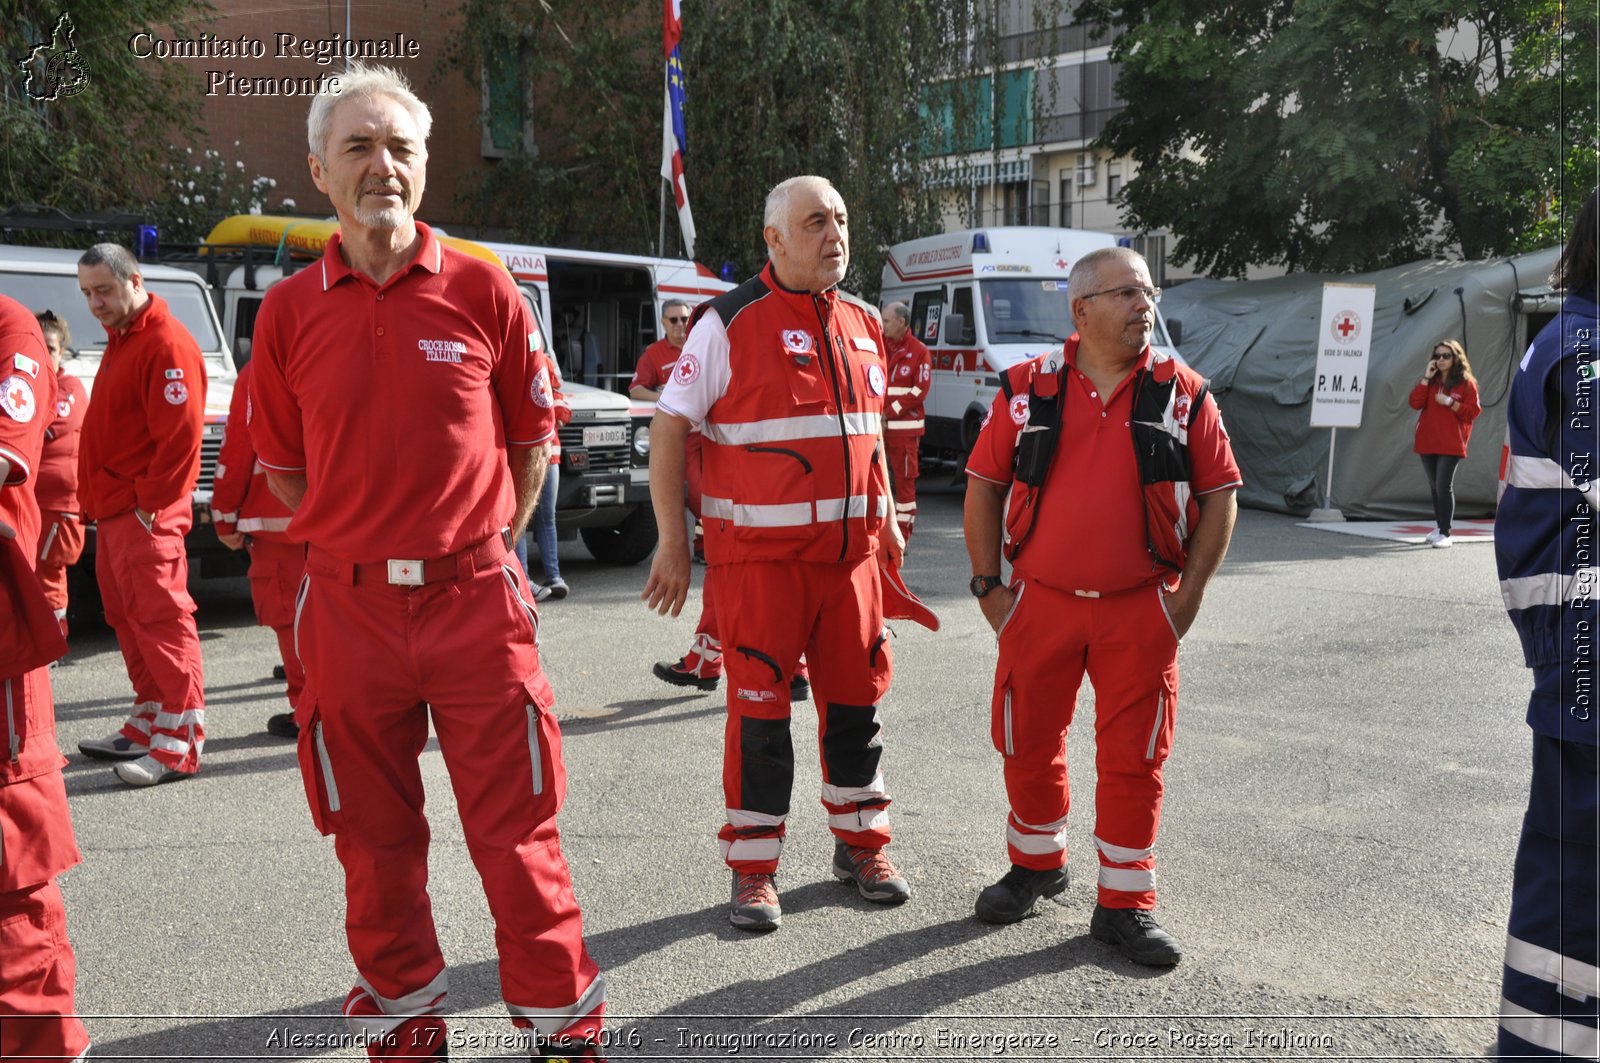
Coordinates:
1445 357
676 320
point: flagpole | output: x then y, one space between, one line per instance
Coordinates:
661 242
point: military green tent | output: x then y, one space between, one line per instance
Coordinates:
1256 341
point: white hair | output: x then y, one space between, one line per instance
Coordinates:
899 310
365 81
776 214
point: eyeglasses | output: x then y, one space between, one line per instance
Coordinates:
676 320
1127 294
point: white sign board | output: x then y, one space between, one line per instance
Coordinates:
1343 340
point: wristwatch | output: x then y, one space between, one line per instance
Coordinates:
982 585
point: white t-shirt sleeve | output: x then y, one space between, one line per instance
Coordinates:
701 374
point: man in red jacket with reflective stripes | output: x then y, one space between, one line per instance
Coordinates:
247 516
138 462
910 371
785 378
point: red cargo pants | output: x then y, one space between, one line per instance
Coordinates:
771 612
275 571
144 576
380 659
1129 649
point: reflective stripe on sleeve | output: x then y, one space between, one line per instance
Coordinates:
260 524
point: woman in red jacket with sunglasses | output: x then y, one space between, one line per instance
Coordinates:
1447 395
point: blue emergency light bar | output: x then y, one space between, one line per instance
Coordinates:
146 243
980 243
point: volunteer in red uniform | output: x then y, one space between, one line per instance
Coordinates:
1115 509
138 462
655 364
910 370
38 1019
248 516
403 414
56 486
785 378
701 667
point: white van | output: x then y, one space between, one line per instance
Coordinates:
984 300
47 279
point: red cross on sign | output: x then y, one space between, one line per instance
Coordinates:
1061 263
1346 326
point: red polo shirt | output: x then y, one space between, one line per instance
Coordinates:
1090 534
27 400
655 365
141 436
398 401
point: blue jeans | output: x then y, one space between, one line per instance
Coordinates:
543 527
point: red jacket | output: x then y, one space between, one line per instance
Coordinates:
240 498
57 485
141 436
910 370
1444 429
791 440
27 397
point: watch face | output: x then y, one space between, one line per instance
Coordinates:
982 585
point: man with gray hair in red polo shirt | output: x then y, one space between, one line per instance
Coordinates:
409 499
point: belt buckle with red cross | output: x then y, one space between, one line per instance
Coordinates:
404 572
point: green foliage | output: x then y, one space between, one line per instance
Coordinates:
593 70
774 89
1344 135
108 147
197 191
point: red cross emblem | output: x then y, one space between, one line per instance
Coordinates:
1061 263
1346 326
405 570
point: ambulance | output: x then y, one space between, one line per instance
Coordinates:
984 300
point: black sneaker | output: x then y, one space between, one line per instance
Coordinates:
1136 933
754 905
1008 900
563 1049
278 672
113 747
685 673
282 724
799 688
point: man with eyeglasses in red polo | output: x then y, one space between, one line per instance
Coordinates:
1106 466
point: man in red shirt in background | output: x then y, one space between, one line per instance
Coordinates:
37 968
56 486
650 375
1105 465
404 414
248 516
138 463
910 370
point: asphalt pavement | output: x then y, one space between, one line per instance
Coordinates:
1335 855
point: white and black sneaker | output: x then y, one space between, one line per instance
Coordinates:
113 747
